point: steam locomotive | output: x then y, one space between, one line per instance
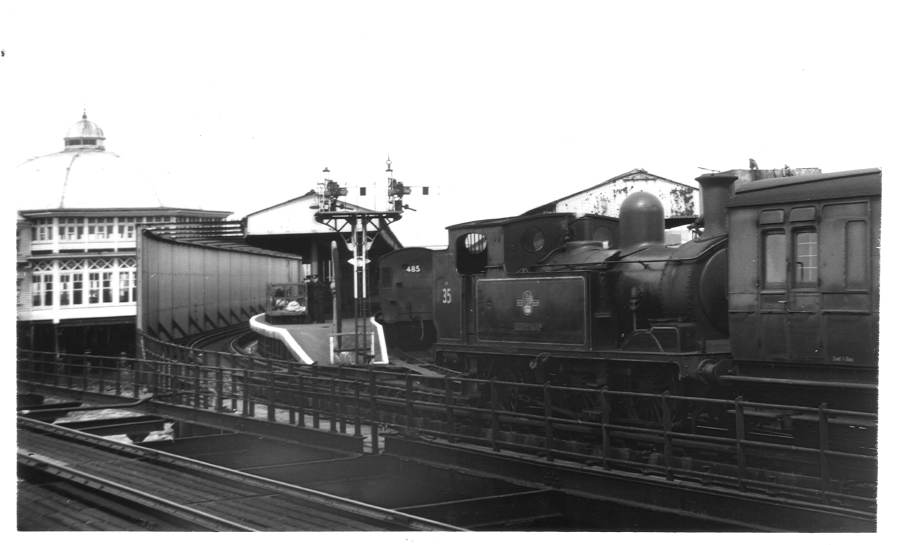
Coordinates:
777 294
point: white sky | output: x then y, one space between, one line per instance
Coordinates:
499 106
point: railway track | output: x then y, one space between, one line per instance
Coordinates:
194 494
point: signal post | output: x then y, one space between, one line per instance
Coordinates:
358 229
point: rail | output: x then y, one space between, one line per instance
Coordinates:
56 461
822 453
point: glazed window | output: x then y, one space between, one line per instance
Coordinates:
471 253
107 287
806 258
42 230
475 243
77 288
126 228
533 240
93 288
774 248
71 229
42 290
126 279
856 244
64 289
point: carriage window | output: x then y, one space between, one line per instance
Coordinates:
856 245
774 249
806 258
771 216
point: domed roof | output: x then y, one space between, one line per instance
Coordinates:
83 175
85 129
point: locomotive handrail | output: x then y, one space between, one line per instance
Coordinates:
799 382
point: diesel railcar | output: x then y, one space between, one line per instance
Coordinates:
779 289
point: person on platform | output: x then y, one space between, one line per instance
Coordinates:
319 294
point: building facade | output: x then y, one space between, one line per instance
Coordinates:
76 245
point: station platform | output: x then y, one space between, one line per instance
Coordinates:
312 343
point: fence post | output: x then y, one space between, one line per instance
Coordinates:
341 400
739 438
198 360
247 409
136 371
234 390
604 424
824 470
220 387
101 383
314 397
409 405
120 368
667 438
301 403
332 424
58 370
270 386
548 423
357 419
85 364
448 403
292 396
495 423
373 410
154 380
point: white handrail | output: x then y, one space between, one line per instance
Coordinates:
382 346
258 325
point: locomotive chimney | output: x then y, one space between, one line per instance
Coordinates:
715 192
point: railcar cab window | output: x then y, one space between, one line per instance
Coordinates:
471 253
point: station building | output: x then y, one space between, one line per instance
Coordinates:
680 201
77 223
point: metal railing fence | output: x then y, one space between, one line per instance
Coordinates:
777 449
